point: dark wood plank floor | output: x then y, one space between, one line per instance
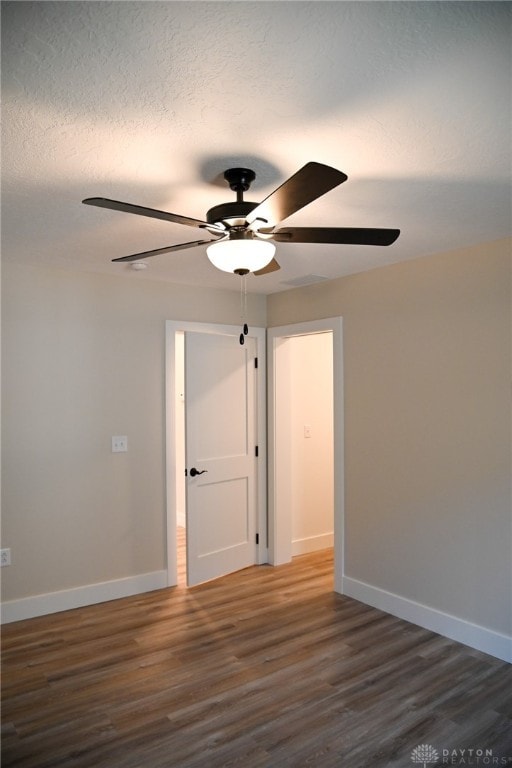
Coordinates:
260 669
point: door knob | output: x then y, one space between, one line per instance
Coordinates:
194 472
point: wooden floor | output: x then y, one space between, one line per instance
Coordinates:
263 668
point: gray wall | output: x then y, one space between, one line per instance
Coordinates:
427 363
84 359
427 348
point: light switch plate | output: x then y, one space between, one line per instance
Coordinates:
119 444
5 556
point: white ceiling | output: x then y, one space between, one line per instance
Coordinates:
149 102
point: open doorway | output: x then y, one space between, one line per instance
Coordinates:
179 440
304 436
306 441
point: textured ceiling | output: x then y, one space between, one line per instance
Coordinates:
149 102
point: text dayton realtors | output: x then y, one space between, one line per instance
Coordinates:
472 757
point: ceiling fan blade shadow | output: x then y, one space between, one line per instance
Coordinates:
336 235
272 266
310 182
168 249
152 213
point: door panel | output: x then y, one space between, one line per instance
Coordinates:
217 390
220 442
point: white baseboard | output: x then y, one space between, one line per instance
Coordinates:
473 635
312 544
53 602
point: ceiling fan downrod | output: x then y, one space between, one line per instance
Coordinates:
239 180
233 214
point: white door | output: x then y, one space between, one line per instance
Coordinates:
220 423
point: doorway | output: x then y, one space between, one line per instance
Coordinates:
285 343
304 438
219 509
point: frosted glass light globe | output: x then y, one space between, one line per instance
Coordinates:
241 256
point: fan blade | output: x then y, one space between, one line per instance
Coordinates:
273 266
168 249
339 235
310 182
152 213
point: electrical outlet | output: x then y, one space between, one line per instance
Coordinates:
5 557
119 444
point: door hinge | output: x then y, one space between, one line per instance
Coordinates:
256 451
257 538
255 362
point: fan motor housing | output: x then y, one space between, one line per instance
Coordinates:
235 212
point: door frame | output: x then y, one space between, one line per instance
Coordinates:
172 327
279 518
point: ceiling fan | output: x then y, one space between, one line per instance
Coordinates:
241 232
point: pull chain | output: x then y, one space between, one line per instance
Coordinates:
243 307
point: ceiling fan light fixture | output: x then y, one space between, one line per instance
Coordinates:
245 228
241 255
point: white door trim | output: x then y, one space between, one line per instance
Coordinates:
172 327
278 521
